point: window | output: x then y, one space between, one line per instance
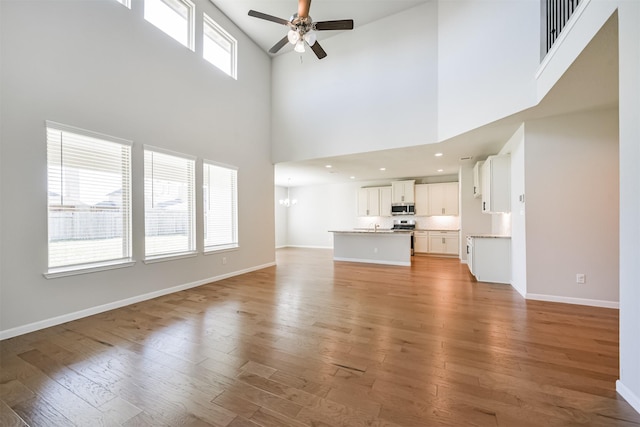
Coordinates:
89 198
169 207
220 207
174 17
219 47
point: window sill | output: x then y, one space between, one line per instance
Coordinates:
219 249
170 257
54 273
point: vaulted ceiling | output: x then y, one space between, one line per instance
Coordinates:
266 33
590 83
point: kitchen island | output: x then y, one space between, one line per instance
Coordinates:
373 246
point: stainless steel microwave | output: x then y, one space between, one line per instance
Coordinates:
403 209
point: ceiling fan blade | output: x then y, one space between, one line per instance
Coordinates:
303 8
264 16
276 47
344 24
318 50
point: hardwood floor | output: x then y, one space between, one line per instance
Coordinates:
313 343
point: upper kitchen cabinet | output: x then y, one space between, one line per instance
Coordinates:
443 199
385 201
403 191
496 184
477 179
374 201
422 199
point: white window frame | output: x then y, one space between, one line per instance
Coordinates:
190 21
206 211
80 267
125 3
191 204
233 54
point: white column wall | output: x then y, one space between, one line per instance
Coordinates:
518 213
472 220
629 43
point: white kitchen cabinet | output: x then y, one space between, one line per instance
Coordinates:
403 191
443 199
489 258
374 201
444 242
496 187
477 179
369 202
421 242
385 201
422 199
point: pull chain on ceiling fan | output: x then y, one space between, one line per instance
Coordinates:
302 29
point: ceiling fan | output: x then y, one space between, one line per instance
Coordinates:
302 29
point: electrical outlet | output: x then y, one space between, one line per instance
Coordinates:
224 260
375 250
580 278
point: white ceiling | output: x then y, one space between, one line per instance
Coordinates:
411 162
266 33
590 83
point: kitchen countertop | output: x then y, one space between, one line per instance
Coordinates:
371 231
489 236
436 229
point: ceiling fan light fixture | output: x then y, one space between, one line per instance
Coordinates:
310 38
301 29
293 37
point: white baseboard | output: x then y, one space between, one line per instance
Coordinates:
309 247
628 395
53 321
374 261
571 300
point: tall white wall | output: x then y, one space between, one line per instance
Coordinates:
572 207
99 66
488 52
629 54
518 212
377 89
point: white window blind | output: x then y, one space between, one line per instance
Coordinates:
174 17
219 47
89 197
220 207
169 206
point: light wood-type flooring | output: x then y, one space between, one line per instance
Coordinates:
317 343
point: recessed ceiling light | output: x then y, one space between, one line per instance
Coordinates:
440 170
383 169
352 177
328 166
438 154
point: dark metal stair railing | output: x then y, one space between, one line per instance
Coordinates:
555 14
